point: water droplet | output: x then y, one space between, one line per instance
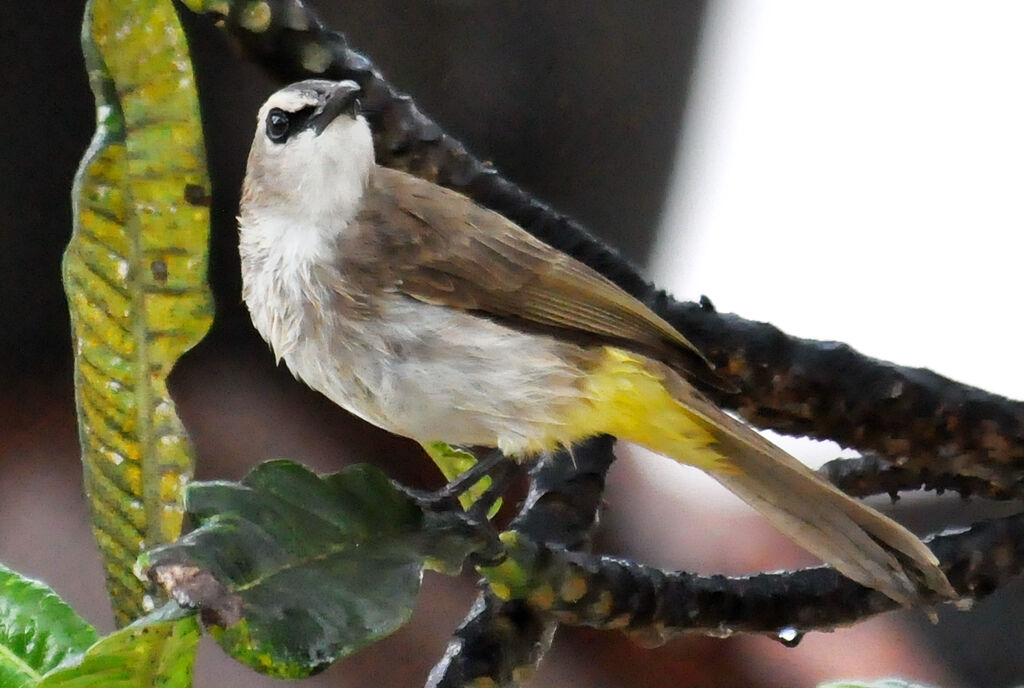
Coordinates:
720 631
789 636
964 604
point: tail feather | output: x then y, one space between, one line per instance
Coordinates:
859 542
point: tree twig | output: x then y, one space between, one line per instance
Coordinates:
654 605
870 474
504 641
827 390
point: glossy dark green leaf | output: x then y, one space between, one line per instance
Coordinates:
38 630
292 570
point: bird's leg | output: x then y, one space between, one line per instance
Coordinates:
482 468
445 502
493 465
501 474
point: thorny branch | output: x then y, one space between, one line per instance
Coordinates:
910 416
870 475
504 641
655 605
926 429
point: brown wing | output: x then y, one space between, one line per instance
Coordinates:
439 247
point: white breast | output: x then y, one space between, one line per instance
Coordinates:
281 261
433 373
423 371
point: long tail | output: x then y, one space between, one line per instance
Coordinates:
647 403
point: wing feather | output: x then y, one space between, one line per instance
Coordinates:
438 246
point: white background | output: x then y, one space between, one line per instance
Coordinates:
855 171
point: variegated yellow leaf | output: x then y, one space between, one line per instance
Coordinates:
135 277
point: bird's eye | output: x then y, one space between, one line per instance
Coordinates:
277 125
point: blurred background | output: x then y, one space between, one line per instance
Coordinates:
845 170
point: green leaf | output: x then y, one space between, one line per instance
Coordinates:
453 462
158 650
134 273
38 630
294 570
223 7
45 644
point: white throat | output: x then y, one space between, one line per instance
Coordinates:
298 197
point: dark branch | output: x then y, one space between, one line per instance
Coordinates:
871 475
503 641
654 605
827 390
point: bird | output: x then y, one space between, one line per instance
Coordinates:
416 309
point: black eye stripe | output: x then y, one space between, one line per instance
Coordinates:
282 124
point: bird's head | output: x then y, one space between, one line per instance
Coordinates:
312 153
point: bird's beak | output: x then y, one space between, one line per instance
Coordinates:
341 98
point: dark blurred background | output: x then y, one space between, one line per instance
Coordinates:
582 105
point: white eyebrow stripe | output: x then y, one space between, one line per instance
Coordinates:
289 101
